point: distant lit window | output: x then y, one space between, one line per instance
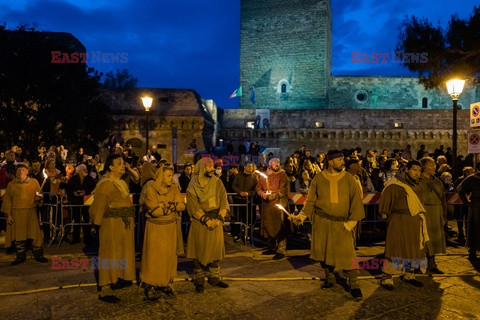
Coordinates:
424 103
361 96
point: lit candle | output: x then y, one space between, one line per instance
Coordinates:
45 176
289 215
263 175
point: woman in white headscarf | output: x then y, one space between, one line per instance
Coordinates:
159 259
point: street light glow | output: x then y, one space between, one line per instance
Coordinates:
147 103
455 88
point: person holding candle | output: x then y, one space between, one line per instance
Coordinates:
19 203
274 189
334 206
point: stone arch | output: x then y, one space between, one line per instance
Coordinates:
332 135
381 135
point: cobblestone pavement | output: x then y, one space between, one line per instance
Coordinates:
260 288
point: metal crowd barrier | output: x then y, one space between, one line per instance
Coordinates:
52 213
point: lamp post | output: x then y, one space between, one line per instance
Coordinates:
455 88
147 104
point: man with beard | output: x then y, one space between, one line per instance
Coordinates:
207 205
406 230
19 203
274 226
334 206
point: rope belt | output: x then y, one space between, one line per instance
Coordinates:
123 212
325 215
156 221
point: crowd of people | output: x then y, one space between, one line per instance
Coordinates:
413 203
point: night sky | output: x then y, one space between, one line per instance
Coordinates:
194 44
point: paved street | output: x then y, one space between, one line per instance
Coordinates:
259 289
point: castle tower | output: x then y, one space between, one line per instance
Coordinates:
285 53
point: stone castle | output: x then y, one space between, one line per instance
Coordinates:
285 63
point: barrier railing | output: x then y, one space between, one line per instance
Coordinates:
51 214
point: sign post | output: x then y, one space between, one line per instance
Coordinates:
473 145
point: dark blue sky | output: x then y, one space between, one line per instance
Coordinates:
195 43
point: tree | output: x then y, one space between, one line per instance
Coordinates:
121 80
46 102
451 52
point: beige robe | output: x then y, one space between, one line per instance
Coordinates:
19 202
203 244
159 258
116 240
403 238
339 197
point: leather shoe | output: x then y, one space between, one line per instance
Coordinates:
18 261
326 284
41 259
278 256
168 292
268 252
109 299
356 294
413 282
434 271
219 284
199 288
387 286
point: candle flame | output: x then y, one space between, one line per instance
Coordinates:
45 174
262 174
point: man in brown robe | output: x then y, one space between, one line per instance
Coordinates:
406 230
112 209
334 206
435 203
19 203
207 205
274 226
159 259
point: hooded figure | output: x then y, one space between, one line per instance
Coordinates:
207 205
159 260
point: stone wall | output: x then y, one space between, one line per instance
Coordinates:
368 129
285 42
392 93
162 130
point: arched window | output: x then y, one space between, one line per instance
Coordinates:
283 86
424 103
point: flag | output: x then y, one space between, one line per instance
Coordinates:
236 93
252 95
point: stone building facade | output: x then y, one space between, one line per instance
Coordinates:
176 117
345 129
285 61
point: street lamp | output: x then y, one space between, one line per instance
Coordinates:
455 88
147 104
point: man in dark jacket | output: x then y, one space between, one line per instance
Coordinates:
80 185
243 185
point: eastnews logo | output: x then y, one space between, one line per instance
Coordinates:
92 57
85 263
396 263
386 57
